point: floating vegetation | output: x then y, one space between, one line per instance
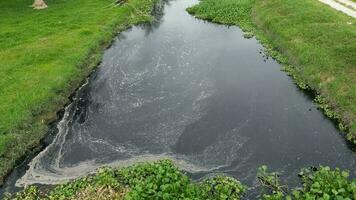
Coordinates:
248 35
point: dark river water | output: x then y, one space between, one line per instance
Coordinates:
197 93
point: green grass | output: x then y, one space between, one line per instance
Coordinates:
319 42
44 56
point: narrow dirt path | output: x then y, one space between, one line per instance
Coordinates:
343 6
348 3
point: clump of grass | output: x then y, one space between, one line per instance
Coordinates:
44 56
316 44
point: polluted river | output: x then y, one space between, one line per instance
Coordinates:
194 92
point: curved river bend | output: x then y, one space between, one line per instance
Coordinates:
195 92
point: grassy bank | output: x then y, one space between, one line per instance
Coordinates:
163 180
44 56
315 43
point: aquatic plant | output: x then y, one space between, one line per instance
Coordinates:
157 180
317 183
248 35
270 181
163 180
222 187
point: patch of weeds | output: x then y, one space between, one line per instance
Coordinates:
104 178
163 180
291 71
317 183
270 182
29 193
222 187
332 114
157 180
323 104
88 187
160 180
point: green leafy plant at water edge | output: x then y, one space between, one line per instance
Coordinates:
326 108
332 114
104 178
248 35
30 193
317 183
291 71
270 181
157 180
222 187
163 180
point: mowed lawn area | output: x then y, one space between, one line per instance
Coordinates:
318 41
45 55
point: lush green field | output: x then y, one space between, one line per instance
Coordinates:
44 56
319 42
163 180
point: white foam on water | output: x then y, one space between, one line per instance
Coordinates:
37 175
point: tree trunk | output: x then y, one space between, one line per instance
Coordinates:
39 4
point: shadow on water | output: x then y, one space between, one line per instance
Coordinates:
197 93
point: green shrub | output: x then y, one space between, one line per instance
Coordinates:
30 193
326 184
104 178
321 183
270 183
163 180
159 180
222 187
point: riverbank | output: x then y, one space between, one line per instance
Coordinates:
44 57
315 43
163 180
